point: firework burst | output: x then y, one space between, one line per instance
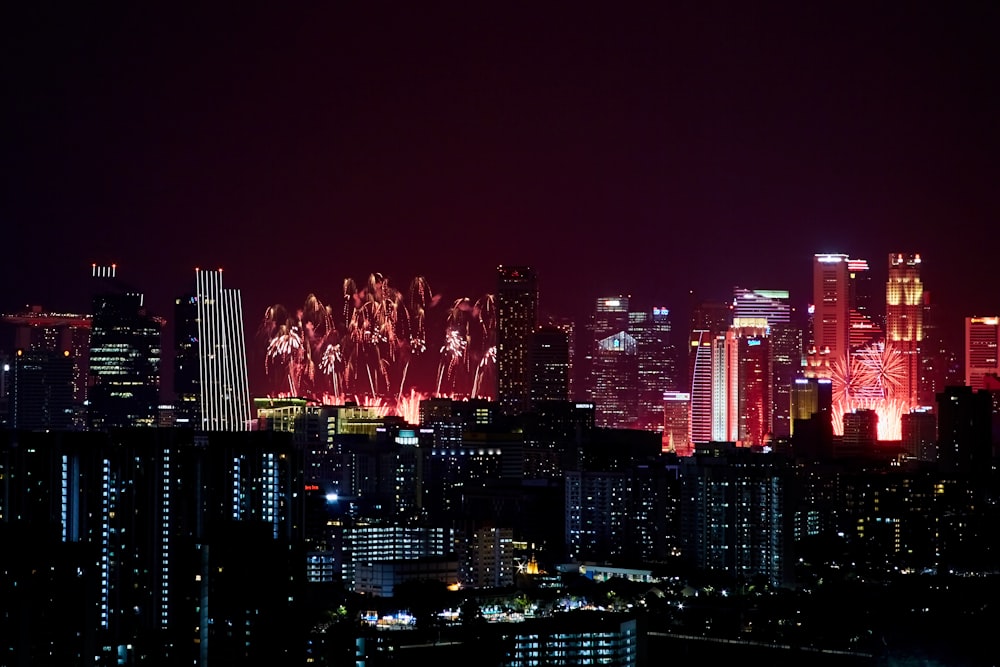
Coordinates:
469 338
871 378
363 347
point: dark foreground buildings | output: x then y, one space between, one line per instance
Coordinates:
150 546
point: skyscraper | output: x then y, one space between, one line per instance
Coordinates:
676 423
614 365
831 315
904 316
700 402
517 315
709 320
864 322
741 383
42 390
784 342
655 361
982 338
125 352
37 330
549 355
215 346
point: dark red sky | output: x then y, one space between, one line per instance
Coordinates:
640 150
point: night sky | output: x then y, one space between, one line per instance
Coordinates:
638 150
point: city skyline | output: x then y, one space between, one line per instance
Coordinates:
268 375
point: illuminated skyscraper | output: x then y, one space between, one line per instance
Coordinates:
125 351
517 315
831 317
842 318
655 365
811 396
614 365
741 384
700 421
864 322
982 337
709 319
211 362
784 342
904 316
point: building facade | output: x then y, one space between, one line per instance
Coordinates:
125 356
982 350
211 381
517 317
904 316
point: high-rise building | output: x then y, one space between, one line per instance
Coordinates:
125 354
785 345
964 430
831 314
568 326
810 396
736 513
41 397
614 368
860 431
768 304
676 423
713 317
755 420
904 316
486 557
842 316
935 355
655 364
741 379
982 350
37 330
187 393
548 361
148 531
701 415
517 316
919 431
211 361
864 321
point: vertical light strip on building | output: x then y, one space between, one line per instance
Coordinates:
225 395
65 494
105 565
237 488
272 493
165 540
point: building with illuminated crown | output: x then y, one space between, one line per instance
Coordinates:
904 316
614 364
784 343
125 356
982 340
